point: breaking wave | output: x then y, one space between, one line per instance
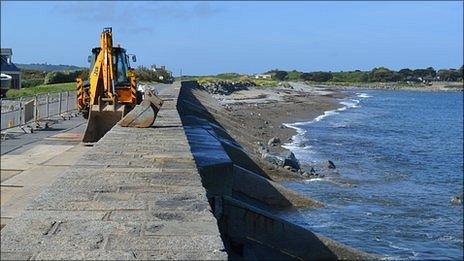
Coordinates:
299 139
362 95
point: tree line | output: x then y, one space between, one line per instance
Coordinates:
379 74
149 75
32 78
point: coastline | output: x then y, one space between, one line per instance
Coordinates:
435 87
269 113
366 164
256 114
266 113
344 105
246 194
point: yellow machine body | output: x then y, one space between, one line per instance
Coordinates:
111 91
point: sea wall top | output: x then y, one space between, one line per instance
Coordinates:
136 195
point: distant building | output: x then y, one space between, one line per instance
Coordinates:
157 69
263 76
8 68
163 74
427 80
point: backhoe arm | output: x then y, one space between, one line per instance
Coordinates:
102 77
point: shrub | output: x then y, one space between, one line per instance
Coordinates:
228 76
382 74
449 75
147 75
26 83
294 75
60 87
350 76
62 77
429 72
280 75
32 74
317 76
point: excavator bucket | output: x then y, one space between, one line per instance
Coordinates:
101 120
144 114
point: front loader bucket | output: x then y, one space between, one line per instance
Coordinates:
101 121
144 114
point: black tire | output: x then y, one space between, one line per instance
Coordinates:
139 97
85 114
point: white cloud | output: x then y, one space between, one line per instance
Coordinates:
135 17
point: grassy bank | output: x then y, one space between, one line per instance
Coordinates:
233 77
457 85
49 88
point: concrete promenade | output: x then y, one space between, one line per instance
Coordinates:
31 162
136 194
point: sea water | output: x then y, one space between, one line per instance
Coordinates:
399 162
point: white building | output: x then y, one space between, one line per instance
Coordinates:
263 76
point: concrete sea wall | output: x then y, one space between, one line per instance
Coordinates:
242 196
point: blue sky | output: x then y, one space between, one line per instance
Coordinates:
246 37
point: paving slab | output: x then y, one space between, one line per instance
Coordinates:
135 195
15 199
7 174
34 156
36 176
33 172
68 157
18 141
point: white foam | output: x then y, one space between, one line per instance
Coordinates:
326 113
299 138
314 179
414 253
363 95
353 103
450 238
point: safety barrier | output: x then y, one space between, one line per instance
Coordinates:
21 111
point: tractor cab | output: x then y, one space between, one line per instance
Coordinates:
121 65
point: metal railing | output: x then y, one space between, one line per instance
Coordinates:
24 110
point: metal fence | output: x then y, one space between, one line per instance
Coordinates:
17 112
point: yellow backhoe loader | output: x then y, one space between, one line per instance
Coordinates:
111 96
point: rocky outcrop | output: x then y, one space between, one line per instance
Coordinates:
291 160
457 200
329 164
273 141
225 87
286 159
285 85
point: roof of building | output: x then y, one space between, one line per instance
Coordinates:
8 67
6 51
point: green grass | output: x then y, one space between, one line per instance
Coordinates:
49 88
265 82
234 77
